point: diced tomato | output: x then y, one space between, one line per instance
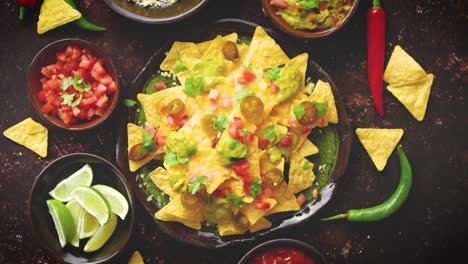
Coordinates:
279 3
106 79
305 130
170 121
222 192
238 122
90 113
286 140
160 86
48 107
321 122
101 101
76 53
48 71
293 122
213 95
76 111
233 131
42 96
111 88
274 88
227 102
241 168
263 206
301 199
249 138
247 77
160 138
101 89
88 101
61 56
263 143
97 71
66 116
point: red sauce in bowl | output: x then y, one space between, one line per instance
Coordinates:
282 255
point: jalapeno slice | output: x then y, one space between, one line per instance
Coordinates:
252 107
207 124
190 200
137 153
230 51
310 114
274 177
241 222
175 106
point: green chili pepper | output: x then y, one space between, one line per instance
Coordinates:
390 206
82 22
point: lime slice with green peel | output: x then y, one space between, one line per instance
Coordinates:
93 202
87 225
82 177
76 211
117 201
102 235
63 221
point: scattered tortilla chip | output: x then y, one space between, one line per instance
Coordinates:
136 258
264 52
379 143
178 51
301 176
402 69
176 211
162 180
323 93
414 96
261 224
55 13
135 136
30 134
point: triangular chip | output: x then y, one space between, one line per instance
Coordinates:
301 175
136 258
264 52
402 69
414 96
29 134
176 211
323 93
228 229
254 214
307 148
261 224
55 13
135 136
379 143
286 200
292 78
203 46
178 51
162 180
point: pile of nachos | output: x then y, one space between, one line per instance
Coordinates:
241 113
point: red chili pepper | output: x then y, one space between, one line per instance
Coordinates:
376 52
23 3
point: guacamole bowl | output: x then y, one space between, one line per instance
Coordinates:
335 139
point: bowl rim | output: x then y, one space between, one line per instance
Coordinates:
135 17
88 124
284 242
120 176
284 26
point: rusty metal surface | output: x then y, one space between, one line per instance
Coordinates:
430 226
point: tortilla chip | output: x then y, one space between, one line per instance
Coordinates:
300 178
261 224
264 52
135 136
136 258
30 134
204 46
179 51
402 69
161 179
254 214
293 71
228 229
286 200
379 143
55 13
194 127
176 211
307 148
414 96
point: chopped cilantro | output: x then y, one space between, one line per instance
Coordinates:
255 188
308 4
191 150
77 82
240 94
299 111
306 165
249 66
193 85
234 144
220 122
270 133
321 108
245 132
180 68
197 184
129 102
182 160
273 73
171 159
67 98
148 143
235 199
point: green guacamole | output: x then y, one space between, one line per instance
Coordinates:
314 14
212 69
288 82
181 143
229 150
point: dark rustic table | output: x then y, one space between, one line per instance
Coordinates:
431 225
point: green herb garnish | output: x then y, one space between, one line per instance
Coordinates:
299 111
129 102
77 82
273 73
197 184
308 4
220 122
193 85
240 94
255 188
321 108
235 199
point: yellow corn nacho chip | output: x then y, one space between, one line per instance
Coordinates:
179 51
228 229
176 211
402 69
205 45
264 52
261 224
286 200
301 175
323 93
55 13
136 258
30 134
414 96
254 214
291 80
379 143
161 178
307 148
135 136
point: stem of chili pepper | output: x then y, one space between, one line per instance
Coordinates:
376 52
82 22
390 206
21 12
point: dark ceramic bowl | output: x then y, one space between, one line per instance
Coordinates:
270 11
41 221
208 238
178 11
284 243
46 57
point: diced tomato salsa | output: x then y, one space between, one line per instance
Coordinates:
89 96
282 255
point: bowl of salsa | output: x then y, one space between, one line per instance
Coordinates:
283 251
72 84
309 18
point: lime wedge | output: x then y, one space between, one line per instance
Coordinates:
82 177
87 225
93 202
102 235
76 211
117 201
63 221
